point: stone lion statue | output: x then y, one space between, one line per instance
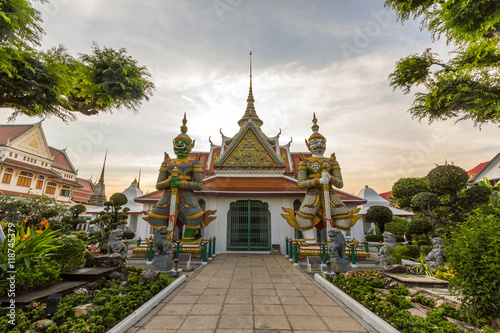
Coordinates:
383 254
164 250
336 250
337 247
436 256
162 246
115 244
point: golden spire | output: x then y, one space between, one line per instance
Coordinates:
250 110
184 129
315 129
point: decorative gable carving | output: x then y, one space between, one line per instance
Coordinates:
249 152
33 141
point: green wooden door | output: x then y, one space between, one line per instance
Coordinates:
249 226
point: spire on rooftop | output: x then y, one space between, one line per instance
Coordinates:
250 110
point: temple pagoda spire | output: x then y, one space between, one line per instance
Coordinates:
99 196
250 110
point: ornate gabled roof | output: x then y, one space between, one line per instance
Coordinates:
249 148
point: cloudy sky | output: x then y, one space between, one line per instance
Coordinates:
328 57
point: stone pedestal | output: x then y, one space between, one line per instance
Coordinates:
162 263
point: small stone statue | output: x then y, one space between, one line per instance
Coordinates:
436 256
336 250
383 254
115 244
164 250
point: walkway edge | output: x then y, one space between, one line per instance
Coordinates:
375 321
137 315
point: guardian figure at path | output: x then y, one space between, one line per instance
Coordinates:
321 206
179 177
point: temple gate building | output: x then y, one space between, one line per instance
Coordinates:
248 178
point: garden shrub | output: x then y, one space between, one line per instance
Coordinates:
419 225
71 254
473 252
374 238
128 234
397 226
421 299
413 252
423 242
425 249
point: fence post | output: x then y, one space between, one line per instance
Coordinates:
204 253
296 257
286 246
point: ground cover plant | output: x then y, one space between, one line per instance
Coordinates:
364 287
111 304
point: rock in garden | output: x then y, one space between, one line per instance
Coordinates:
83 309
394 269
122 284
149 275
495 323
83 291
116 275
43 324
417 312
463 326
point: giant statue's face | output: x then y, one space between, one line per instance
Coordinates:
317 146
182 148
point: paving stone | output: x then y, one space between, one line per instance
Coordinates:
293 300
176 309
237 321
286 292
266 300
214 291
344 325
237 299
160 322
271 322
307 323
299 310
268 309
181 299
196 322
244 309
264 292
211 299
206 309
334 311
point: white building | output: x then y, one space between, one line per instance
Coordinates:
372 198
30 167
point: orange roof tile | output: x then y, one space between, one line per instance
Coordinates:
61 160
10 132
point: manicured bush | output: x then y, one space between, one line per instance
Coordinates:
380 215
406 188
71 253
128 234
473 253
413 252
397 226
374 238
422 242
425 249
419 225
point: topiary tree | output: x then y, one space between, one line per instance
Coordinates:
445 199
397 226
420 225
380 215
473 252
112 216
406 188
70 254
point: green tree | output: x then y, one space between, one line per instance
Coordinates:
467 86
406 188
473 252
380 215
54 83
113 215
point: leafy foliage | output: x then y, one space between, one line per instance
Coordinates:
473 252
112 216
406 188
70 254
397 226
54 83
380 215
467 85
419 225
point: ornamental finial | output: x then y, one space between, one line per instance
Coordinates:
184 129
315 129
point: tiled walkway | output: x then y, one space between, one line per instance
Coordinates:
252 293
